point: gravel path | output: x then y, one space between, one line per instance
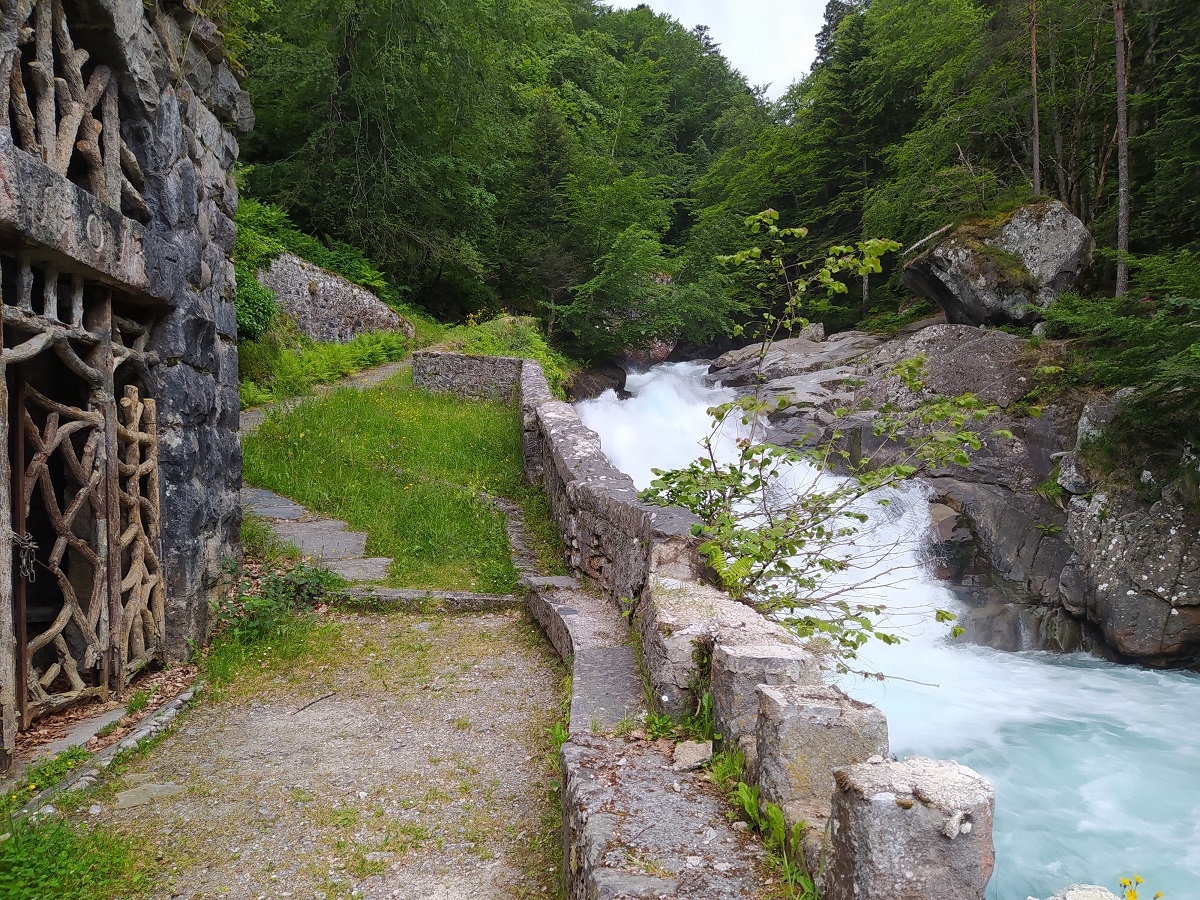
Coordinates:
403 755
427 774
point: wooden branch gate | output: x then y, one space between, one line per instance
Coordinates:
81 473
82 604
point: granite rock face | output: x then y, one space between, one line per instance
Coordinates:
325 306
1003 273
1136 574
1115 574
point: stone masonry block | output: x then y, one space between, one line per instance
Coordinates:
917 829
804 733
738 670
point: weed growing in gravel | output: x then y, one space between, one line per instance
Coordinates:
265 621
139 700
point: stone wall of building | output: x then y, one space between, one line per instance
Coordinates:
325 306
160 234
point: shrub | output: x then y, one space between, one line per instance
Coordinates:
254 304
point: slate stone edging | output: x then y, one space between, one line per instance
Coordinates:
453 601
91 772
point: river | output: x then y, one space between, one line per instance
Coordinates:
1096 766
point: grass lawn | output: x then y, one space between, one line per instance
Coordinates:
407 467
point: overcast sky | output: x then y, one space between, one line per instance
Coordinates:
766 40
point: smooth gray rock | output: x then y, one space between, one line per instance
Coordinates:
1005 272
788 357
1084 892
691 755
147 793
918 828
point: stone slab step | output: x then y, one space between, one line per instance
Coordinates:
269 505
329 542
606 690
456 601
357 571
637 829
322 539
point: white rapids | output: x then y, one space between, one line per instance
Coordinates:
1096 766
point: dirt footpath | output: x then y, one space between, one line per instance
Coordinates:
403 756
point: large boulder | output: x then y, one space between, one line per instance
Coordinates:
1004 272
1136 573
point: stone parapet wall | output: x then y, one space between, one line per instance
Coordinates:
644 558
325 306
476 377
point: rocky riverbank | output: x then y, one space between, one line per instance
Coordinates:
1047 553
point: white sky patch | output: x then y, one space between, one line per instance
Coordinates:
768 41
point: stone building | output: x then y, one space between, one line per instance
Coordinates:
119 402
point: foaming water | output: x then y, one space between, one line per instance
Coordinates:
1096 766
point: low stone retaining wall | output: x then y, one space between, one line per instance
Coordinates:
477 377
919 828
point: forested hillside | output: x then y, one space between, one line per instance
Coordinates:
586 165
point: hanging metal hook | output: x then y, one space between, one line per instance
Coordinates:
27 548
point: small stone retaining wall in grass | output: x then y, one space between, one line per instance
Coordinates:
917 828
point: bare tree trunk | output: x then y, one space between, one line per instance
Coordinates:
1122 151
1033 77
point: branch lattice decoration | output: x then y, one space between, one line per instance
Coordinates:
63 108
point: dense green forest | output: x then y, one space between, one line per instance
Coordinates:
587 165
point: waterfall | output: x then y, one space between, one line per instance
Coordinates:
1096 766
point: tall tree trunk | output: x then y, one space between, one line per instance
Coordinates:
1122 151
1033 77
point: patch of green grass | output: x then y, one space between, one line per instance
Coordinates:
56 859
888 322
512 336
260 543
277 366
42 775
268 623
407 467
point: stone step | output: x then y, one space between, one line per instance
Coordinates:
322 539
639 829
456 601
606 689
328 542
269 505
